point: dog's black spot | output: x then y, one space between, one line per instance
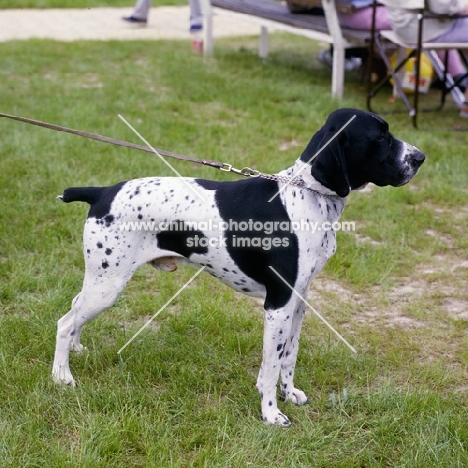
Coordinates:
139 208
88 251
108 251
246 200
184 241
281 355
105 264
270 403
109 219
140 216
278 348
246 289
99 245
73 333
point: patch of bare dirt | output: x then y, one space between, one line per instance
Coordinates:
444 278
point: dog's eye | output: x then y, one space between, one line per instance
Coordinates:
385 136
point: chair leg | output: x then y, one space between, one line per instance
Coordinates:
449 84
263 45
338 71
207 13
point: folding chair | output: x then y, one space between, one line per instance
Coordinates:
381 40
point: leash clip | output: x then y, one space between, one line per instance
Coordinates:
248 172
245 171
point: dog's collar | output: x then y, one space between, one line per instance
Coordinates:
296 182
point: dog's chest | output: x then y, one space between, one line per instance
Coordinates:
316 219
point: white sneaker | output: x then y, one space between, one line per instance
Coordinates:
353 63
325 56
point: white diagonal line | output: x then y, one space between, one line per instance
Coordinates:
312 158
161 309
162 159
313 310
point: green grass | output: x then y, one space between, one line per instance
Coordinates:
183 393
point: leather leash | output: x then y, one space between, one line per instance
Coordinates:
246 171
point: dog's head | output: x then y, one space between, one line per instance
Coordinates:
354 148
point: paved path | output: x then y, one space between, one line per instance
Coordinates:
106 24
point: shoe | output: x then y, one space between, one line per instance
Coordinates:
464 110
326 57
196 27
132 19
353 63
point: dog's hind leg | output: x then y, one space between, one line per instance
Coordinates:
98 293
75 344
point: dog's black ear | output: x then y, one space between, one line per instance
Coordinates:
328 161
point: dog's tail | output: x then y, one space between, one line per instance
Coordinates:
84 194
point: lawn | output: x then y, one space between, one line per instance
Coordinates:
182 394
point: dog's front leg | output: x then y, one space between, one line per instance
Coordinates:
288 364
277 329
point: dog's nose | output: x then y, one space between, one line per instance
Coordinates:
417 158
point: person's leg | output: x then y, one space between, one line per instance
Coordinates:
458 33
455 65
362 19
140 13
141 10
196 17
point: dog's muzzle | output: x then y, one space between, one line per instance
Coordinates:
416 159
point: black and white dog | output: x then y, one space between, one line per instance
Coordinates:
271 253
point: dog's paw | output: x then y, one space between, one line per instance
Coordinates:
63 377
78 348
277 419
296 397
